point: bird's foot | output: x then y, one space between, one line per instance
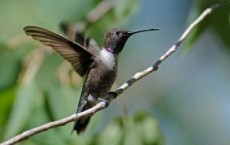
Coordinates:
108 98
105 101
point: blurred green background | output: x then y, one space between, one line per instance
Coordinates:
186 102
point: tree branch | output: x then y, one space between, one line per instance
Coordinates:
112 95
102 8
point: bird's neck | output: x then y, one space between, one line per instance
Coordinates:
109 49
108 58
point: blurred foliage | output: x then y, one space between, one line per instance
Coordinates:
38 86
218 21
142 129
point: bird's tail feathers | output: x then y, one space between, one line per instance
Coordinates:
81 124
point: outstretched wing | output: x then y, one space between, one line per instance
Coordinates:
77 55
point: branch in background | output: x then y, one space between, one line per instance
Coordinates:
92 17
61 122
119 91
102 8
32 65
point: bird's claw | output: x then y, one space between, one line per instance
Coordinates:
105 101
110 96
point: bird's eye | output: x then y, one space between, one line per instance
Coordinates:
118 33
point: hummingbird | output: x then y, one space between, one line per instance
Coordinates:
99 65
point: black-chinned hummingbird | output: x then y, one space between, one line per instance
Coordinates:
99 65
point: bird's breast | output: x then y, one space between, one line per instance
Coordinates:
108 59
100 81
102 76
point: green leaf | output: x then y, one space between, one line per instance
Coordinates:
141 129
10 64
64 96
39 117
48 71
148 129
124 8
6 102
61 101
131 134
112 134
218 20
22 109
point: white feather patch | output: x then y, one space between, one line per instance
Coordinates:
108 58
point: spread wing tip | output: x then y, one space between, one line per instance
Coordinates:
29 30
26 29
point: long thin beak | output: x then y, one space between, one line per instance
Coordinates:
139 31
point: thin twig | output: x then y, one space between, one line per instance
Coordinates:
102 8
32 65
119 91
61 122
